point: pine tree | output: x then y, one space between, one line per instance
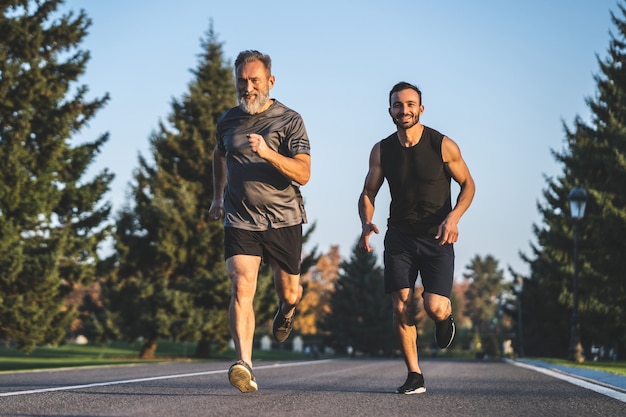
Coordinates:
483 293
360 313
484 302
171 280
51 217
595 158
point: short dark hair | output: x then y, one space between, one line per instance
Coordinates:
252 55
402 85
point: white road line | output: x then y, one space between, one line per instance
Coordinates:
154 378
576 381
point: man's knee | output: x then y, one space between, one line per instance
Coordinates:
242 283
292 297
402 313
437 307
287 285
403 319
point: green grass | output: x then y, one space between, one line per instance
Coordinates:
116 353
618 368
68 356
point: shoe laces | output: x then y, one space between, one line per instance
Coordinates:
285 322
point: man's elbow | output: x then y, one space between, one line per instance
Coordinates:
469 187
304 179
303 172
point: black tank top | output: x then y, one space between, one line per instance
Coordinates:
419 183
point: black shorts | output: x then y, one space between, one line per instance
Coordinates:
283 245
405 256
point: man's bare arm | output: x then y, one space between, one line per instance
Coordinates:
373 182
456 166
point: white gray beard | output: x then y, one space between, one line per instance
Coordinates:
254 106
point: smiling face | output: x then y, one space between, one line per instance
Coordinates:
254 83
406 108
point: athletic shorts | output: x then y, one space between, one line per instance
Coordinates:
405 256
283 245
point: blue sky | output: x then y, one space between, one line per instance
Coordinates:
498 77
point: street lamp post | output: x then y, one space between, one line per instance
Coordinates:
578 202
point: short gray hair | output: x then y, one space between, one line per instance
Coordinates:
252 55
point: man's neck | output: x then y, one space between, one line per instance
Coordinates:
267 105
410 137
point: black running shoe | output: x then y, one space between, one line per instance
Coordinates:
444 332
281 327
414 384
241 377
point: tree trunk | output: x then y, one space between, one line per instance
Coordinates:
148 349
203 348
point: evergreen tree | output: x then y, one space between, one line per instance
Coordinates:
171 280
360 313
594 157
52 218
483 294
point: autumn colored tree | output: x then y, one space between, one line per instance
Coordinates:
319 282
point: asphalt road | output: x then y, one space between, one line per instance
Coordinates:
343 387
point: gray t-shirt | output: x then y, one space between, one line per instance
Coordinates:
258 197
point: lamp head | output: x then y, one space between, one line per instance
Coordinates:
577 202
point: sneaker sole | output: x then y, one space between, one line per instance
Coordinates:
241 379
420 390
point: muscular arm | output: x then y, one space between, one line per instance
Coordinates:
456 166
297 169
219 184
373 182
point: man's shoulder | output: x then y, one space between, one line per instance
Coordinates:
432 132
388 140
230 113
280 108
